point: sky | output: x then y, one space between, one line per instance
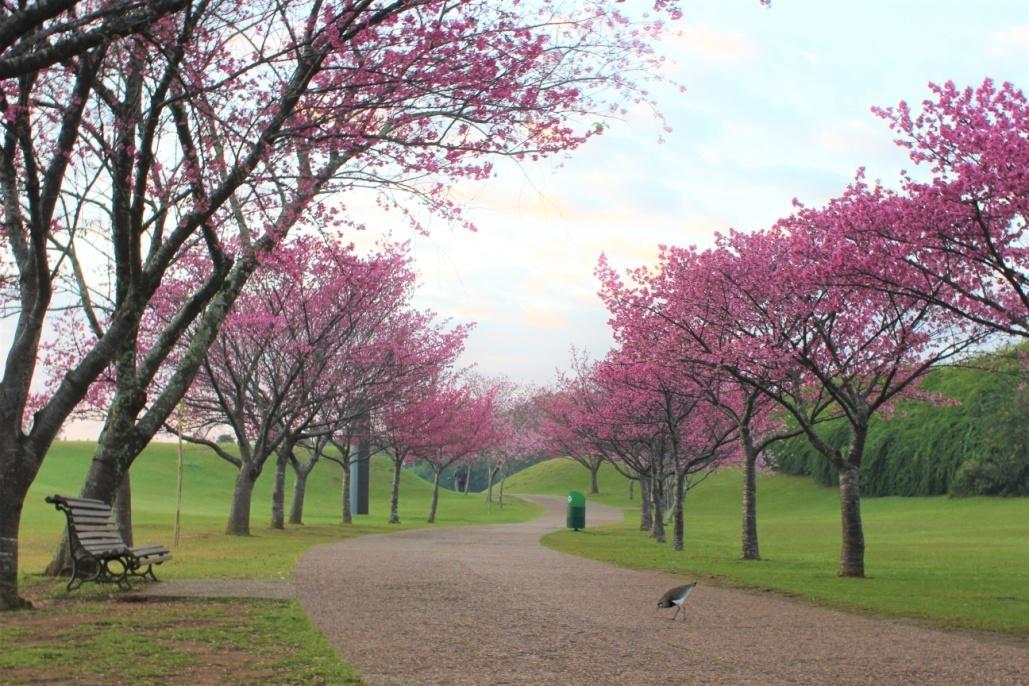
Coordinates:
777 106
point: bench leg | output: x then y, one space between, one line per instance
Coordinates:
121 578
84 569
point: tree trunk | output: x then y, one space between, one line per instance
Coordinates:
632 482
435 497
123 509
12 497
348 515
668 489
646 520
657 498
852 554
748 534
678 514
594 468
467 477
503 478
102 482
296 512
489 485
239 513
394 497
279 491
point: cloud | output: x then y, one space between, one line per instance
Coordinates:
1010 42
542 318
712 45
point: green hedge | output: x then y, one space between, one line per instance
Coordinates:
979 446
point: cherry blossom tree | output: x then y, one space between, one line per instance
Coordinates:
672 314
422 353
818 344
459 424
311 311
517 433
50 32
579 416
958 240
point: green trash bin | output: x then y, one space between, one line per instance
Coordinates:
576 510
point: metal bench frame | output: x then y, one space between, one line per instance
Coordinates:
98 551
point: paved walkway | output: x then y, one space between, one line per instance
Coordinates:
489 605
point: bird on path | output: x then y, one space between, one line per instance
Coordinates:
676 596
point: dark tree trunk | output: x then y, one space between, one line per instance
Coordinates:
123 509
678 513
394 498
279 490
668 489
503 478
594 468
657 497
239 513
12 497
852 554
646 519
490 473
632 483
296 512
748 536
348 515
102 481
435 497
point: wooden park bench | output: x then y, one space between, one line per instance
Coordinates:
98 551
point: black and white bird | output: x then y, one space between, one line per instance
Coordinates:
677 596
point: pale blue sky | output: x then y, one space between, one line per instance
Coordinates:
776 106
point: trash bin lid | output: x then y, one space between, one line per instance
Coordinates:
576 499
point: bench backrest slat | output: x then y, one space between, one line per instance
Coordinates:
95 535
90 512
82 529
92 524
86 504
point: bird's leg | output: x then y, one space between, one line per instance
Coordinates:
677 608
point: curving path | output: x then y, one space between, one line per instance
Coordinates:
489 605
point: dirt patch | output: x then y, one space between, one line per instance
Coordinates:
214 588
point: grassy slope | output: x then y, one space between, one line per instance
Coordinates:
207 489
920 449
954 562
557 477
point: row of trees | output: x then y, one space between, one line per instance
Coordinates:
141 140
323 358
832 314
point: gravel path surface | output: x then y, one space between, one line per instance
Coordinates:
489 605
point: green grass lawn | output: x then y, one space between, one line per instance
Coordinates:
257 642
204 550
90 634
953 562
